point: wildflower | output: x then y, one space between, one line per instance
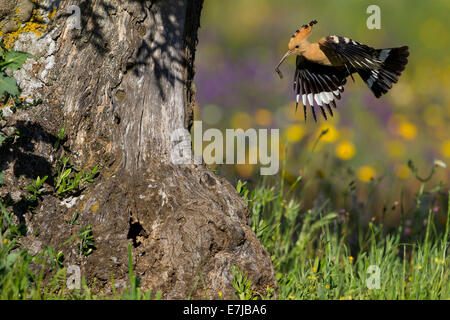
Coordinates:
241 120
244 170
332 134
327 286
342 298
366 173
5 241
351 259
263 117
220 294
291 297
314 269
440 163
402 171
409 279
445 149
345 150
407 130
309 277
350 297
295 133
268 287
419 267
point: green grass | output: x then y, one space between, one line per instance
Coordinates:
323 254
317 253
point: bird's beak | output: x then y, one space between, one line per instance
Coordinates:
277 69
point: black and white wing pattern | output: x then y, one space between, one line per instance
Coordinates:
318 86
379 68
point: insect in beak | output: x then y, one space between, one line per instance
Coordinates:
277 69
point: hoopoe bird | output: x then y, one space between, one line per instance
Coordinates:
322 68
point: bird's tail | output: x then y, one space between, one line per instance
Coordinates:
380 79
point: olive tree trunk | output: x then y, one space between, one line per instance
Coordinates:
121 84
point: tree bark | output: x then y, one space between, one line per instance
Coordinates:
120 86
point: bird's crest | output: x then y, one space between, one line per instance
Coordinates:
304 31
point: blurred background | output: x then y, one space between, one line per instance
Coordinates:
363 158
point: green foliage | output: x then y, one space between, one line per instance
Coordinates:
12 60
321 254
68 180
242 285
134 292
35 189
86 244
59 138
242 190
73 220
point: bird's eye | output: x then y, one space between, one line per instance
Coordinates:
297 47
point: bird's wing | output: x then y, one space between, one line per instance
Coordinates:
379 68
318 85
352 54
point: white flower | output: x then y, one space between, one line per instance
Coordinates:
440 163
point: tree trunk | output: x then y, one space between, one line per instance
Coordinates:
120 86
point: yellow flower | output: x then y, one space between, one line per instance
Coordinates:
419 267
342 298
366 173
295 133
5 241
327 286
263 117
241 120
345 150
402 171
331 136
291 297
244 170
350 297
409 279
407 130
220 294
445 148
351 259
314 269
